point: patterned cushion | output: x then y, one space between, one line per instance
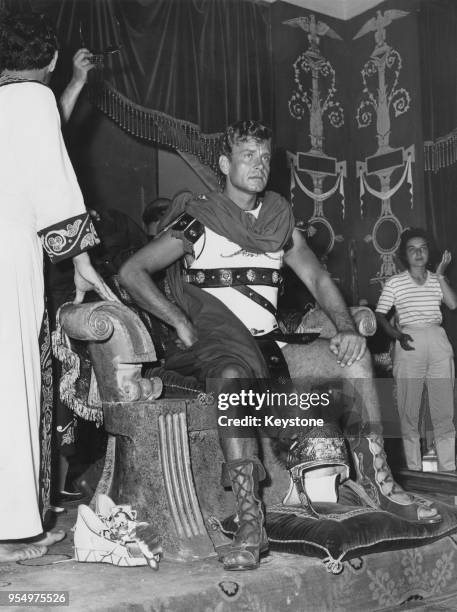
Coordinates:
347 530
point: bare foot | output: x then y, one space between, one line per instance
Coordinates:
20 552
48 538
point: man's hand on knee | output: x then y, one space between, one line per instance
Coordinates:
348 347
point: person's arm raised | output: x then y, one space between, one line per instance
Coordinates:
449 295
81 66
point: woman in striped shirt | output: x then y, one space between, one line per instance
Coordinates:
422 353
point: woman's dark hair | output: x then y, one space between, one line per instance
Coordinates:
409 234
27 41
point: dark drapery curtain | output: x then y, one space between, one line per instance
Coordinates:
438 46
185 69
205 61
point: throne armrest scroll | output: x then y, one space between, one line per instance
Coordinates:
118 344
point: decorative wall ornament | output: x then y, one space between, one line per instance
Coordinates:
381 96
386 195
318 217
381 72
320 101
387 229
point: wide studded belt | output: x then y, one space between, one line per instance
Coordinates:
232 277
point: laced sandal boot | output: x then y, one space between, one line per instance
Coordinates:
376 486
250 539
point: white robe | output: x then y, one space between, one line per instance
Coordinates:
38 188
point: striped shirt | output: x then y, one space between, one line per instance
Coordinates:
416 305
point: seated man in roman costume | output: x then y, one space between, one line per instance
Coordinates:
223 252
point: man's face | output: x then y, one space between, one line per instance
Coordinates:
416 252
248 168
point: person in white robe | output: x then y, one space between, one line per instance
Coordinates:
39 198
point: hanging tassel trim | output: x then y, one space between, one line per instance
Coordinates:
440 153
155 126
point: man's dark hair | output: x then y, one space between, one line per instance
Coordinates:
242 131
27 41
406 236
155 210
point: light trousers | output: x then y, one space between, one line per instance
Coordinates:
431 363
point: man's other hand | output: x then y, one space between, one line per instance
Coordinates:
187 334
348 347
404 341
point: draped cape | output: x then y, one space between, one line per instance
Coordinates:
222 338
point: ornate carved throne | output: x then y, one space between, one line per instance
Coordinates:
163 453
